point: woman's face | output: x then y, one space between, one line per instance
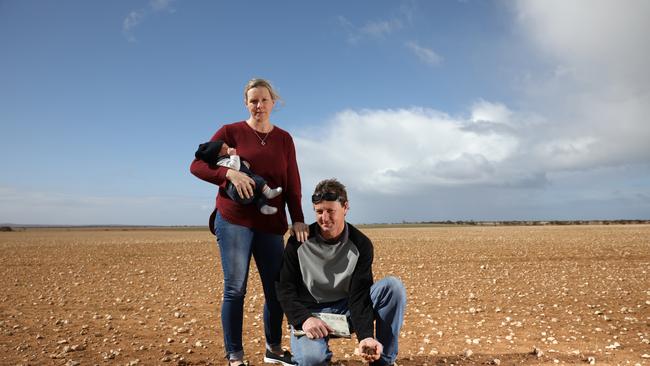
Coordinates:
259 103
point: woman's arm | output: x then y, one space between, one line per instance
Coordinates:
211 174
294 195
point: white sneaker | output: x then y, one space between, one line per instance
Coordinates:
268 210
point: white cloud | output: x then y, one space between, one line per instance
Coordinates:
136 17
162 5
597 92
131 21
381 150
425 54
371 29
380 28
483 111
582 122
592 38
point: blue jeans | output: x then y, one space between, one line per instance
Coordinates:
388 298
236 245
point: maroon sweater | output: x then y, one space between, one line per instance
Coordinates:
275 162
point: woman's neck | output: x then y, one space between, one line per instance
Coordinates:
262 126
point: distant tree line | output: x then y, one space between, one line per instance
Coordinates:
530 222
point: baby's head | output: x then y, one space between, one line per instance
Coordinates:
227 150
224 149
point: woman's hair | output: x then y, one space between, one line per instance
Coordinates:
254 83
334 186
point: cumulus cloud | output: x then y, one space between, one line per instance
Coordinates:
426 55
381 150
484 111
493 164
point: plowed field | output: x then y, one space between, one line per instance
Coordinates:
477 295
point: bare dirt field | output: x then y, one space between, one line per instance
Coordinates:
477 296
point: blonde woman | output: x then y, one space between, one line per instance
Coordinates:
242 230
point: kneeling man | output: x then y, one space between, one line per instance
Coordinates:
331 272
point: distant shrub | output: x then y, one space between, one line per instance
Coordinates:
6 228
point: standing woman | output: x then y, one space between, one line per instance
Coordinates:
242 230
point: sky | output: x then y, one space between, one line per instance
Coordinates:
425 110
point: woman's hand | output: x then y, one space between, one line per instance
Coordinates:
242 182
315 328
300 230
370 349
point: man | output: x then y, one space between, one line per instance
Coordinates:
331 272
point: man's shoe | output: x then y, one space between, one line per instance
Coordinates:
285 359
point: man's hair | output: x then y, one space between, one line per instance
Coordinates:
334 186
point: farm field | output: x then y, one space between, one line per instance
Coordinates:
476 296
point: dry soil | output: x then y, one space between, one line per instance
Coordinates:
476 296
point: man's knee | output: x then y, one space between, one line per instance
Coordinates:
390 290
396 287
310 352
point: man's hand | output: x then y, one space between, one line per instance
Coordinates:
370 349
231 151
315 328
300 230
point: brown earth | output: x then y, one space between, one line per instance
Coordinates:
477 295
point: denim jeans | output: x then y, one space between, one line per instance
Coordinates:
388 298
236 245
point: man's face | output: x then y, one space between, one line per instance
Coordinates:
330 216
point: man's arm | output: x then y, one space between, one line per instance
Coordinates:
361 312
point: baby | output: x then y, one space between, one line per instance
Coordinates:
219 153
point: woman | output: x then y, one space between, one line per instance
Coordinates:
242 230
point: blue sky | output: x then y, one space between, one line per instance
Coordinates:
445 110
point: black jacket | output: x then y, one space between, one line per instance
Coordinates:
296 300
